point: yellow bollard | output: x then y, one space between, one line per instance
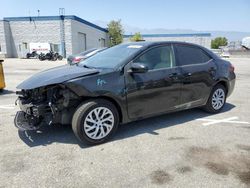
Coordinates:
2 82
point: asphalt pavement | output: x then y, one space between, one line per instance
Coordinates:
184 149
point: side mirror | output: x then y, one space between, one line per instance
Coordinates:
138 68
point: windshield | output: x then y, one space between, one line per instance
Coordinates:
112 57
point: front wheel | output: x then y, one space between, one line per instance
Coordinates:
216 100
95 121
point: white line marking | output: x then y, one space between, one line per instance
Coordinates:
8 106
226 120
23 71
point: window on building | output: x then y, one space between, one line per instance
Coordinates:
20 47
55 48
102 42
25 44
188 55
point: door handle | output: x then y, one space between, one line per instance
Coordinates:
173 75
188 74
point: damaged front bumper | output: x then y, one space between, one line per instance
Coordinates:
45 106
23 123
29 118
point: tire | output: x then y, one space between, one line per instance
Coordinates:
54 58
60 57
85 118
211 106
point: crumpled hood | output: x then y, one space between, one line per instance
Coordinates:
55 76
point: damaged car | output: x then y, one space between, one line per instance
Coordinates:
122 84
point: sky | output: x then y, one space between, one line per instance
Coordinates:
201 15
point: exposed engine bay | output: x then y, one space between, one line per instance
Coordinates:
49 104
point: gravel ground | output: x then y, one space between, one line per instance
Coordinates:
174 150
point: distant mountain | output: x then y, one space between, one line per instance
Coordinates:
230 35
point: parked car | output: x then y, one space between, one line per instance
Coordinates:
72 59
2 82
225 54
125 83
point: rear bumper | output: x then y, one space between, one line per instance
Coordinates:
231 85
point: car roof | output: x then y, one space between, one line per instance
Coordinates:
155 43
148 44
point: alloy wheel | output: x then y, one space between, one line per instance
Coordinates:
98 123
218 99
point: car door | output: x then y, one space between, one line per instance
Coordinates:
198 70
157 90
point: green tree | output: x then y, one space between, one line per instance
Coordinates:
136 37
219 41
115 31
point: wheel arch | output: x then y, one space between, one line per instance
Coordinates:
224 83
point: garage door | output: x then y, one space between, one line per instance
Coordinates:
81 42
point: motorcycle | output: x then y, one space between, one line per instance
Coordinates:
32 54
42 56
51 56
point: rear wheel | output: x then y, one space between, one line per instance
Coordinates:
60 57
95 121
216 100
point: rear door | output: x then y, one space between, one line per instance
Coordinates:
198 70
157 90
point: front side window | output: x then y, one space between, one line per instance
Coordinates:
157 58
188 55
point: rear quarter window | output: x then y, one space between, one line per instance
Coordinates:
188 55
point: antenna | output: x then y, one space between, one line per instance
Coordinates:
61 11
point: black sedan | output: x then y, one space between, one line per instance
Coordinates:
123 84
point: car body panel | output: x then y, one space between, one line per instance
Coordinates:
55 76
108 84
155 88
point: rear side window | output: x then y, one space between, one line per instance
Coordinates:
188 55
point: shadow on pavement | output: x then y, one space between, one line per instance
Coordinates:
6 92
63 134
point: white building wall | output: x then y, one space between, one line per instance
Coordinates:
5 39
68 37
20 33
33 31
93 36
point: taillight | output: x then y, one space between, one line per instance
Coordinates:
231 68
77 59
